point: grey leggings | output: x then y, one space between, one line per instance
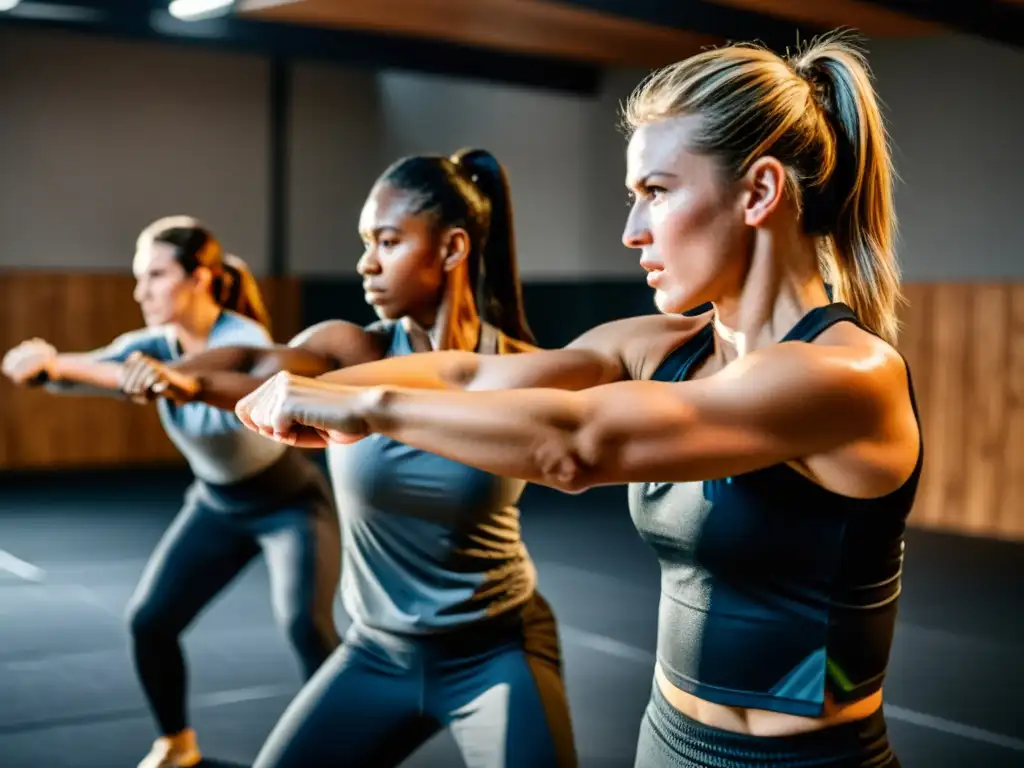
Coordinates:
670 739
205 548
498 688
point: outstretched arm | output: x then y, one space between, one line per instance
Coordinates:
599 356
222 376
98 372
765 409
71 372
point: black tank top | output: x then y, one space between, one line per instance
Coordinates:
774 590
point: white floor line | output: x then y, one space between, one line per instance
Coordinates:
238 695
606 645
953 727
20 568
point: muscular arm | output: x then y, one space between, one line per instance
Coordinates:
227 374
765 409
597 357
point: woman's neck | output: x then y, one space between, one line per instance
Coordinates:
776 293
455 324
193 332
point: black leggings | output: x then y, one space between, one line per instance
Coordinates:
200 554
499 689
670 739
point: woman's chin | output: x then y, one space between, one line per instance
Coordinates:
156 321
677 302
669 302
384 312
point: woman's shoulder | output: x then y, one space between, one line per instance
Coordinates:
509 346
643 342
235 328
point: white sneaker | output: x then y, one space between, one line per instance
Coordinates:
177 751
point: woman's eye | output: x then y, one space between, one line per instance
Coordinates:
644 193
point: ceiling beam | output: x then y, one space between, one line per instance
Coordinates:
870 19
775 22
141 20
536 27
997 20
705 18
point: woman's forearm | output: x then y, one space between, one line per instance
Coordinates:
449 369
224 375
223 389
75 372
532 435
568 369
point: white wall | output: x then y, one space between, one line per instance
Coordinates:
336 151
607 202
563 154
543 139
956 111
99 137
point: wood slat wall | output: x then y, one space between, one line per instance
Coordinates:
964 342
78 312
965 346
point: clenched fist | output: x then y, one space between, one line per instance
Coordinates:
29 361
304 412
144 379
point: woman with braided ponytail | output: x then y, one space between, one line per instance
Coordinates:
448 629
249 496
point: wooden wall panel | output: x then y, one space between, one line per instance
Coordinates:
77 312
965 346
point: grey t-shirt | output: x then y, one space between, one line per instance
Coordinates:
217 447
430 544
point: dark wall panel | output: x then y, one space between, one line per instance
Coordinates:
558 312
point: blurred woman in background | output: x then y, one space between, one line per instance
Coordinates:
249 496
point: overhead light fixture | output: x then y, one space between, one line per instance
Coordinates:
194 10
8 5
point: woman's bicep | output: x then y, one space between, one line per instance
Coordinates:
594 358
334 344
570 368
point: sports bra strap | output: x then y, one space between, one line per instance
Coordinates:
819 320
677 364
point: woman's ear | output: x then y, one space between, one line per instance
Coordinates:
203 277
765 183
455 248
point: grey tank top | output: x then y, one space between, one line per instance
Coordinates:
429 544
217 446
775 592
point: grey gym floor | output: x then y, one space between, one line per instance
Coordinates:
68 696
